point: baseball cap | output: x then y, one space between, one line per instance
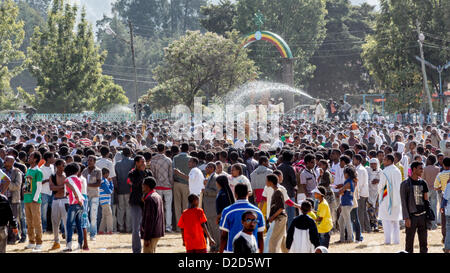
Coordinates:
320 191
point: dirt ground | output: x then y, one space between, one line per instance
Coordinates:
171 243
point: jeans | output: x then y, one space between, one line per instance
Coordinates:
433 198
418 223
136 220
46 202
363 215
356 225
74 214
345 224
93 209
23 221
447 238
324 239
167 197
290 211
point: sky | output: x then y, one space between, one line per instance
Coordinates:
96 8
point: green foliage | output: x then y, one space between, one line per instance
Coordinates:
108 95
12 59
389 53
338 61
161 17
218 18
67 63
207 65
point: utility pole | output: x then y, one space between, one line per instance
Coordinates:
425 80
135 73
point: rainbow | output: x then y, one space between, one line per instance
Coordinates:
272 38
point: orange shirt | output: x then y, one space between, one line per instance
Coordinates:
191 222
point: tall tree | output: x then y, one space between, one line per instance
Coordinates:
67 63
206 65
389 53
219 17
12 59
339 65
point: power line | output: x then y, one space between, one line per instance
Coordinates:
126 80
123 66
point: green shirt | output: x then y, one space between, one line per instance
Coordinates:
31 185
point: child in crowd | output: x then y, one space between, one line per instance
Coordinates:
302 236
106 188
324 220
193 227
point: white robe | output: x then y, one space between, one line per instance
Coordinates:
390 206
320 113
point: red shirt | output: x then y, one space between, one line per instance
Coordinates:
191 221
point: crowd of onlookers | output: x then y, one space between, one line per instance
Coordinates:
287 195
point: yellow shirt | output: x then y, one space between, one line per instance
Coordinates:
312 215
323 210
400 167
442 180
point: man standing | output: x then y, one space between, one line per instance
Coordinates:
258 180
161 167
289 181
136 177
122 169
59 201
319 114
32 200
93 177
250 162
209 203
414 195
13 192
180 185
231 220
6 218
430 173
363 190
440 184
152 216
308 180
46 194
390 210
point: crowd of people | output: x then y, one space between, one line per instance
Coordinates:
100 178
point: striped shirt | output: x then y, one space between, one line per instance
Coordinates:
231 220
106 188
442 180
76 183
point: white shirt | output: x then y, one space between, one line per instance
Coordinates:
240 179
196 180
106 163
46 173
363 181
338 175
239 144
83 185
115 143
268 192
390 206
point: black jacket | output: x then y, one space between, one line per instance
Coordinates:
135 178
306 223
6 215
407 197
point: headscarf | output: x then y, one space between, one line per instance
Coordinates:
222 180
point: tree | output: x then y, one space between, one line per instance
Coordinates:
207 65
339 65
67 63
108 95
31 18
299 22
218 18
389 54
160 18
12 59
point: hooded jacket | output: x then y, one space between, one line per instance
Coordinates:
258 177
